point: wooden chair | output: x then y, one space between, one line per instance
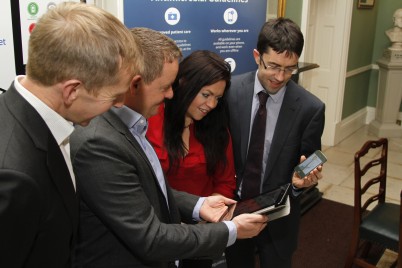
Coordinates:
379 223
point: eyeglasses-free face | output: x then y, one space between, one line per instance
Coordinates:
272 67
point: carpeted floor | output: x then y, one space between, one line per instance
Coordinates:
325 233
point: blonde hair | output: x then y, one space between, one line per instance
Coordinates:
80 41
156 49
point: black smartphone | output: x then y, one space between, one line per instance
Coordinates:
308 165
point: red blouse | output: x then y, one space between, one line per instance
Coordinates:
191 176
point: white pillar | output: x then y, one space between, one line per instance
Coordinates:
389 95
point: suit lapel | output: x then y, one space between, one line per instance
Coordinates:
245 97
286 118
61 178
40 134
116 123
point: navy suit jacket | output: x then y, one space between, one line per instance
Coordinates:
38 204
298 132
125 220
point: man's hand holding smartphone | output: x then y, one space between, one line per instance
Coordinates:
308 172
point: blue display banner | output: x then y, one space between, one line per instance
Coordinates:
227 27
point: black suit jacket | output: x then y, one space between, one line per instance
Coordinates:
298 132
125 220
38 205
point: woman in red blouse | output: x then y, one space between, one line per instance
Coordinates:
190 133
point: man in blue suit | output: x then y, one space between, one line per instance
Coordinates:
294 125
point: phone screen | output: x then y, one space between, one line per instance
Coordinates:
308 166
313 161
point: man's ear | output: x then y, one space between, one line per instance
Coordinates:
134 84
256 56
70 89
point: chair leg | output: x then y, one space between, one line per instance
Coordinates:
362 263
352 251
366 248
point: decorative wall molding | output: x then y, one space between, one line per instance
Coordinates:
370 114
352 123
362 70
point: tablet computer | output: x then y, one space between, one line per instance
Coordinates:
265 203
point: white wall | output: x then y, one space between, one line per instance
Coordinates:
7 67
113 6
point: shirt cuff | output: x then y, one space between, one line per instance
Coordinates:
296 191
197 208
232 232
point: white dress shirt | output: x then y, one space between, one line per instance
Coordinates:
60 128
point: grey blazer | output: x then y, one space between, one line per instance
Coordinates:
298 132
125 220
38 204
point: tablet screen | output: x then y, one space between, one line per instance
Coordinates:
267 201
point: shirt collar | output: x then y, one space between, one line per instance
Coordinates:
132 119
60 128
275 97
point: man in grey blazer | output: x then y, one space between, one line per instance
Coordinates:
66 82
294 125
129 216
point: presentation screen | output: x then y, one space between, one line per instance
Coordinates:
25 14
227 27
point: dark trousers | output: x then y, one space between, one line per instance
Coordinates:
255 252
196 264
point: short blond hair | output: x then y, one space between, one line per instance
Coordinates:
80 41
156 49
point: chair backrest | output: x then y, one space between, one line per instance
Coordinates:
375 221
370 172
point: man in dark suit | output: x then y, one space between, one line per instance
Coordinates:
294 125
129 216
66 82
